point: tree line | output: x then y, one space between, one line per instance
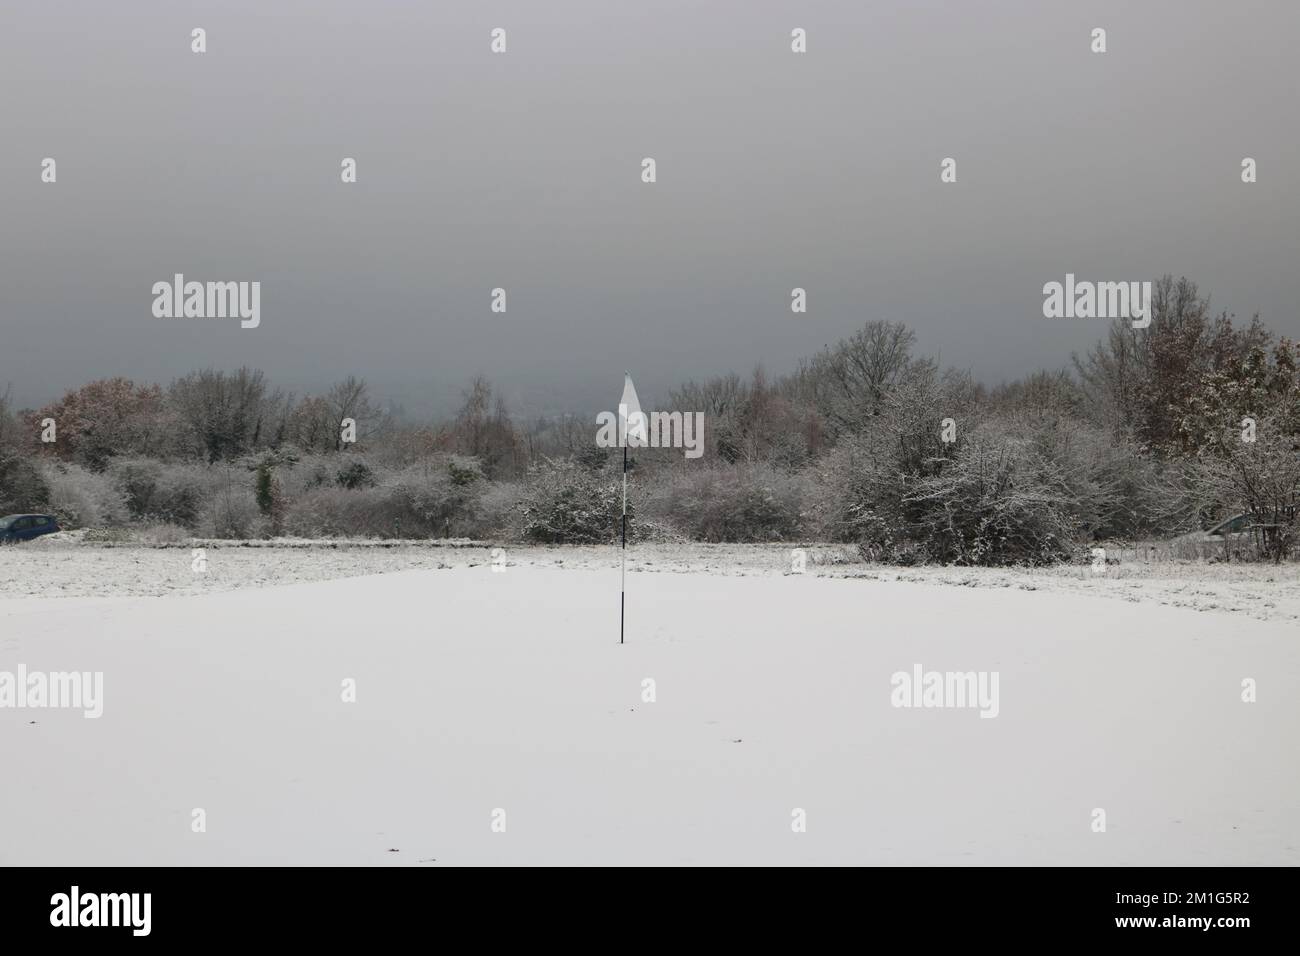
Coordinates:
1151 433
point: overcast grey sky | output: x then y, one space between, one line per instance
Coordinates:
522 170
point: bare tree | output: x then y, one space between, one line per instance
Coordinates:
226 414
850 382
483 430
350 398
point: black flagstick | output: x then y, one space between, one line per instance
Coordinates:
622 594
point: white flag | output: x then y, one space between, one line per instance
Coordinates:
632 429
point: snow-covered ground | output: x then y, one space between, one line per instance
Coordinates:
479 690
64 566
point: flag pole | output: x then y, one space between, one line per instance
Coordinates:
623 561
630 420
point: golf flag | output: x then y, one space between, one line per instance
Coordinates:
632 429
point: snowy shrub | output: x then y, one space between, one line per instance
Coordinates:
1009 490
136 478
564 502
160 534
80 498
1001 501
306 473
741 503
165 492
427 501
497 514
865 481
22 486
231 512
180 493
337 512
420 501
355 473
464 470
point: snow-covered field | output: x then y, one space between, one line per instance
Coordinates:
479 690
64 566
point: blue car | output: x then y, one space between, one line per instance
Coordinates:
15 528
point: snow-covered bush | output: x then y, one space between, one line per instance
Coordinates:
180 493
231 512
564 502
80 498
422 500
136 478
22 485
1000 501
497 514
161 534
173 493
426 500
330 512
306 472
739 503
1009 490
355 473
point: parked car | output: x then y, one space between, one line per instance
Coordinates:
15 528
1233 530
